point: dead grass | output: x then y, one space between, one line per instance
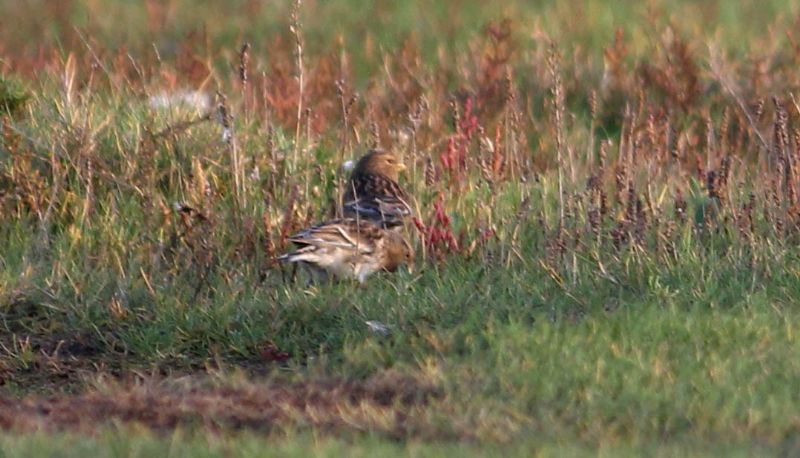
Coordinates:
54 363
552 181
389 404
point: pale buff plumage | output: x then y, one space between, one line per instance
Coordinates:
349 248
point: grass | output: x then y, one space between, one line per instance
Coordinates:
606 229
115 444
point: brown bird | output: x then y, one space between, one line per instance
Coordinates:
373 192
348 248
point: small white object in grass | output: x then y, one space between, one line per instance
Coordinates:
227 135
198 100
486 144
255 175
376 327
348 165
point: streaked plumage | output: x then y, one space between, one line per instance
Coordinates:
347 248
373 192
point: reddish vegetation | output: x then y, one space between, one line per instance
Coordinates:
663 143
271 353
437 235
660 121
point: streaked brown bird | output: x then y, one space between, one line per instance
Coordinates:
373 193
348 248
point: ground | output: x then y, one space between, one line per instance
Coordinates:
606 221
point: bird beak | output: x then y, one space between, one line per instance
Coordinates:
401 167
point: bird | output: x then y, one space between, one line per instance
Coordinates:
348 248
373 192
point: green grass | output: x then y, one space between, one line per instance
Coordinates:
442 29
645 379
690 355
549 329
118 444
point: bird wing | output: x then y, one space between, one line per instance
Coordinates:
373 185
387 209
345 234
376 198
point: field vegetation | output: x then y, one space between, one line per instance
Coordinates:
607 207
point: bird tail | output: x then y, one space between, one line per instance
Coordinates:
303 254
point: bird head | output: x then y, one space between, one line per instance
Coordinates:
379 162
398 252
